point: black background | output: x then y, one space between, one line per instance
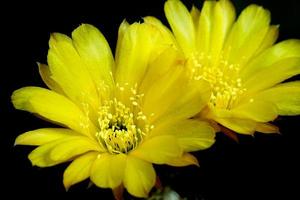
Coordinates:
260 167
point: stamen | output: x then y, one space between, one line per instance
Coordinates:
222 76
122 128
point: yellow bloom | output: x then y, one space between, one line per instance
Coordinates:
119 116
239 60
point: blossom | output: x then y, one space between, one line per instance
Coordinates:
118 116
240 61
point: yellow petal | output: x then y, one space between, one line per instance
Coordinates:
257 110
267 128
133 56
95 52
122 30
159 149
108 170
269 39
182 25
166 35
73 146
185 160
46 76
70 72
195 13
40 155
192 135
204 31
79 169
61 150
247 34
54 107
285 96
243 126
175 96
160 67
273 66
139 177
221 20
43 136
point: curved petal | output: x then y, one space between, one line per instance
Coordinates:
175 96
223 18
95 52
40 155
54 107
61 150
46 77
247 34
192 134
281 51
139 177
285 96
108 170
70 72
166 35
79 169
185 160
74 146
243 126
269 39
216 19
134 53
43 136
206 21
182 25
162 66
195 13
273 66
122 30
267 128
159 149
255 109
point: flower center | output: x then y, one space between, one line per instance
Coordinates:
118 129
222 76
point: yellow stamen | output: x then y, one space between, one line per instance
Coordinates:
222 76
122 128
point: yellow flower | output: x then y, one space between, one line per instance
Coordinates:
119 116
239 60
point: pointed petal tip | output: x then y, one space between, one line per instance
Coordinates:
196 163
67 187
16 142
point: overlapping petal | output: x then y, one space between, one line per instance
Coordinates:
285 96
61 150
182 25
192 135
185 160
162 103
139 177
61 56
43 136
273 66
108 170
159 149
95 53
79 169
54 107
247 35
